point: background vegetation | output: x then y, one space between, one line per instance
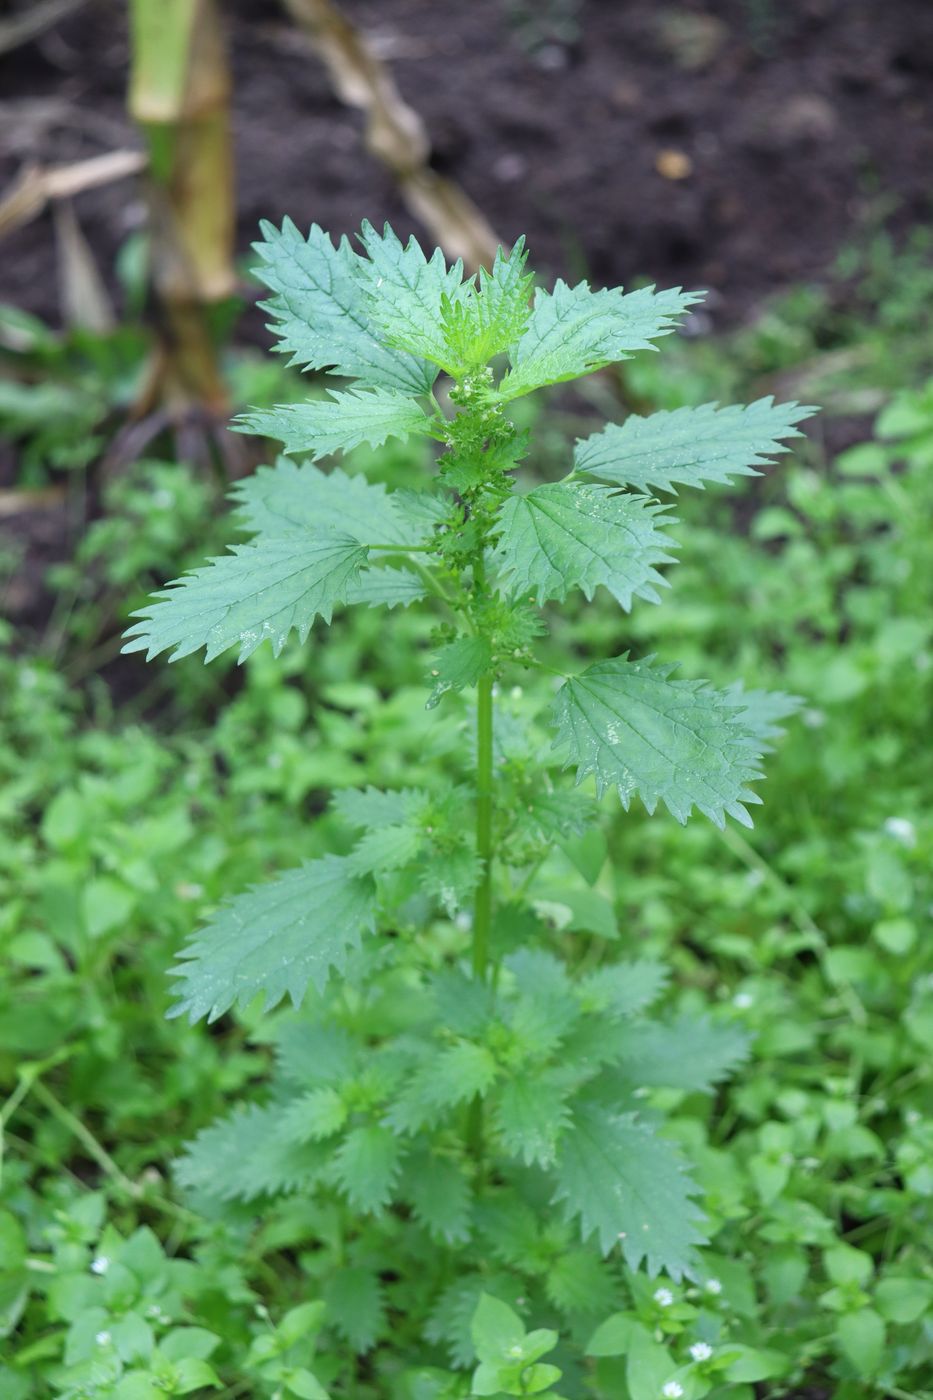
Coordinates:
132 800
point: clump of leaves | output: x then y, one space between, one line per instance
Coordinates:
459 1081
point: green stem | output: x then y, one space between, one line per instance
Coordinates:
99 1154
95 1150
482 906
482 902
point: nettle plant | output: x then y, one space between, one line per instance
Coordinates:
463 1089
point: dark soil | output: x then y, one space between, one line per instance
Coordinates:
790 124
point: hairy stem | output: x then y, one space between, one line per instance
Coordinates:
482 901
482 906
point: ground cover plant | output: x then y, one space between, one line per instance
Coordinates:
475 1094
806 937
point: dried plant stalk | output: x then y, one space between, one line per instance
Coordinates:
396 134
180 96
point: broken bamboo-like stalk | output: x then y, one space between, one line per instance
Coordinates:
395 133
179 95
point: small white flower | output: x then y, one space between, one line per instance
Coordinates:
100 1265
672 1390
102 1338
189 891
663 1297
743 1000
902 830
712 1285
701 1351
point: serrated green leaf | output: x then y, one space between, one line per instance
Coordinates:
629 1188
344 420
561 815
246 1155
290 498
385 588
259 592
677 741
460 1072
461 663
529 1114
315 1115
366 1166
465 1005
451 881
275 939
489 316
763 711
510 1228
623 988
575 535
310 1054
574 330
543 1005
690 1053
404 290
355 1306
389 848
439 1194
446 1079
580 1284
371 809
321 311
690 445
539 973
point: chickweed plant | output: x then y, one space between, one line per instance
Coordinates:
461 1082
